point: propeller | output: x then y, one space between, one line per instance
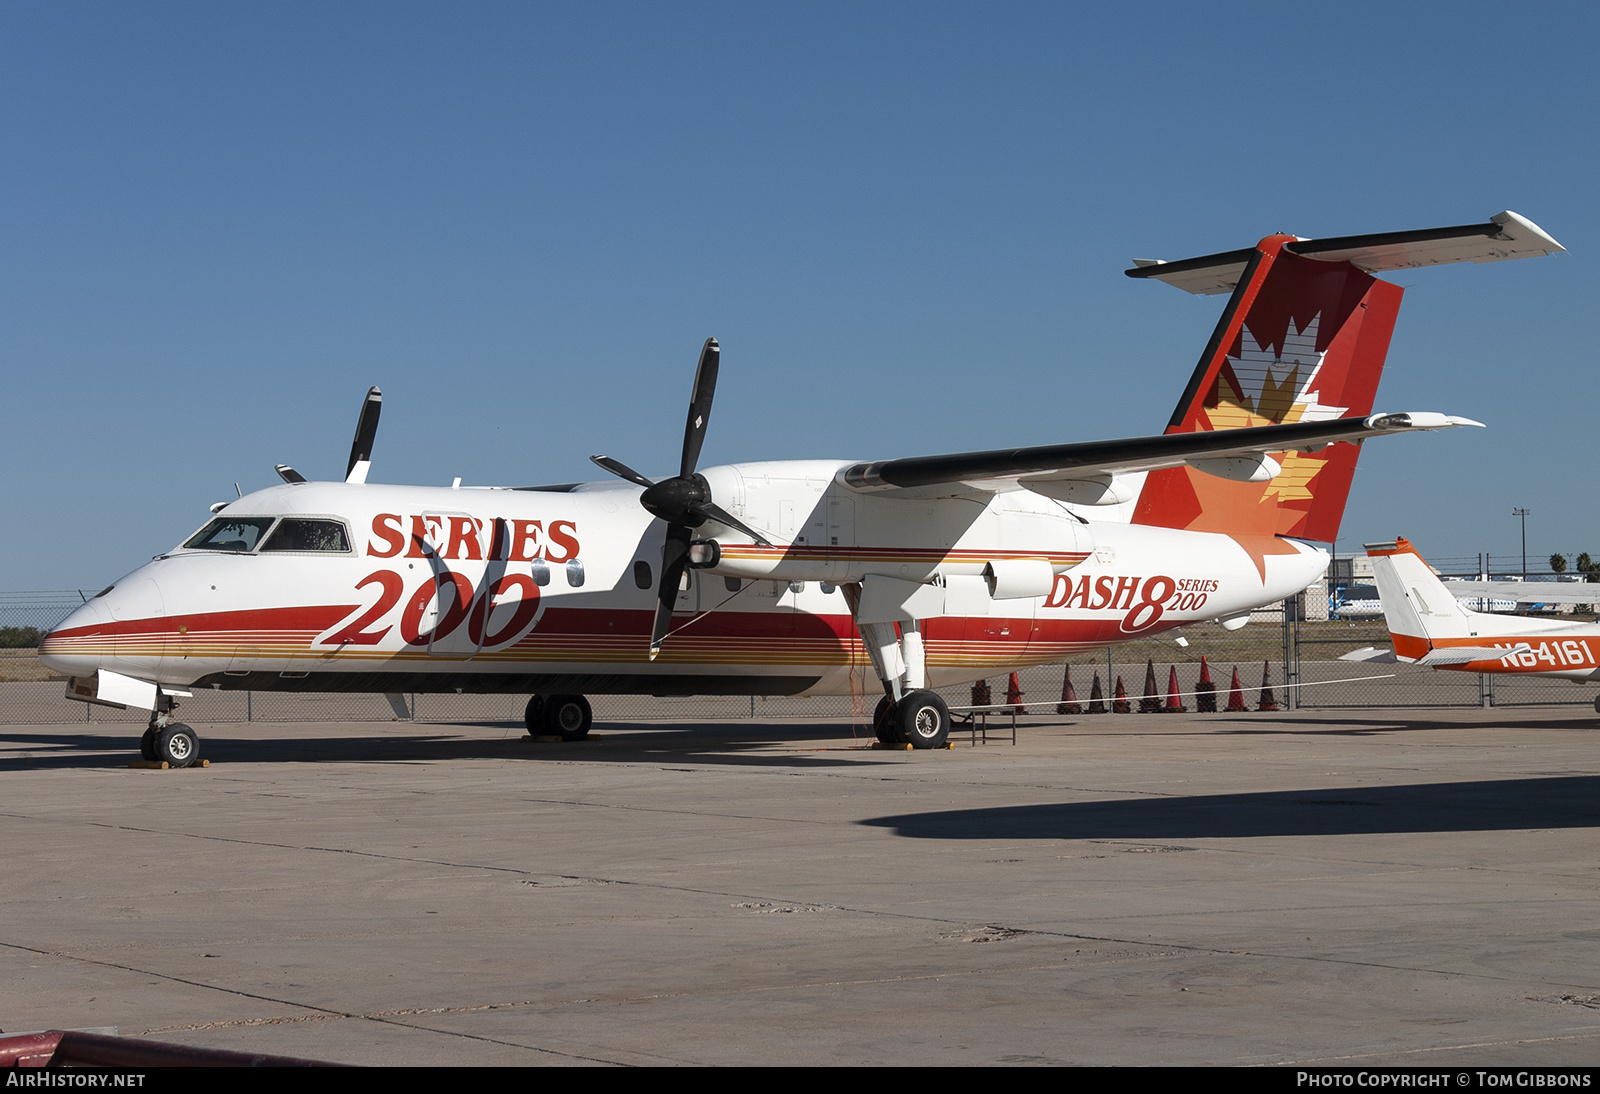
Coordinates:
683 501
360 448
366 433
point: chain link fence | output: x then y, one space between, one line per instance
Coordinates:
1280 647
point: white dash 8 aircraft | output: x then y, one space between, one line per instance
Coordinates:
805 576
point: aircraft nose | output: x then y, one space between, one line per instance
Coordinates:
122 629
79 643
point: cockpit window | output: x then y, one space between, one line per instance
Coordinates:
302 534
230 534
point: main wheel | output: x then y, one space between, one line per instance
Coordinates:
922 719
883 721
568 717
147 744
178 745
533 715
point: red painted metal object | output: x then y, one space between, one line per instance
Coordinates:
69 1049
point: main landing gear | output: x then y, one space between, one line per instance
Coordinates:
920 719
564 716
908 713
172 742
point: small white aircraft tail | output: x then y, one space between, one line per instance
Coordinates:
1420 611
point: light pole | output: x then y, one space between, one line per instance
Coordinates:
1523 513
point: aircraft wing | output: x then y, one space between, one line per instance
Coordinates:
1052 469
1506 235
1528 592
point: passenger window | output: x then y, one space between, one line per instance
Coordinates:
300 534
239 534
641 574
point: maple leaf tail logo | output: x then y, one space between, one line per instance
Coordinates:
1308 347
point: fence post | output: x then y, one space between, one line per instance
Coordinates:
1485 690
249 712
1291 652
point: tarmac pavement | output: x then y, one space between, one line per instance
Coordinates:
1310 888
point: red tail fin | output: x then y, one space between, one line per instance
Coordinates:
1302 339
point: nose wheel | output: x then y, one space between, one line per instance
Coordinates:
174 743
178 745
166 741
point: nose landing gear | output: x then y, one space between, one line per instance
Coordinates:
167 741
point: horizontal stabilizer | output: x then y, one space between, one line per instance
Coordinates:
1448 655
1505 236
1371 655
1461 655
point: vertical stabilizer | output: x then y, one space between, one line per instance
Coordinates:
1416 606
1302 339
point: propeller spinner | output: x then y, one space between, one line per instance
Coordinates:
683 501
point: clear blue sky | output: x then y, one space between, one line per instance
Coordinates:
906 223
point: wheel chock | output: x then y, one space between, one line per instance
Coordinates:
162 765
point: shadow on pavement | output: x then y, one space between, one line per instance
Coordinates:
1567 801
769 745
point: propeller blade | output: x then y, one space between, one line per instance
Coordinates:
366 433
622 471
705 388
717 513
288 474
674 560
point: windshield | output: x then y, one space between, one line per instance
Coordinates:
231 534
300 534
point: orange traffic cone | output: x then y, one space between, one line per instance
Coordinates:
980 694
1119 699
1173 706
1267 701
1150 703
1206 699
1014 694
1069 700
1097 697
1235 695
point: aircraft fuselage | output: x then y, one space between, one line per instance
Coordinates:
554 590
